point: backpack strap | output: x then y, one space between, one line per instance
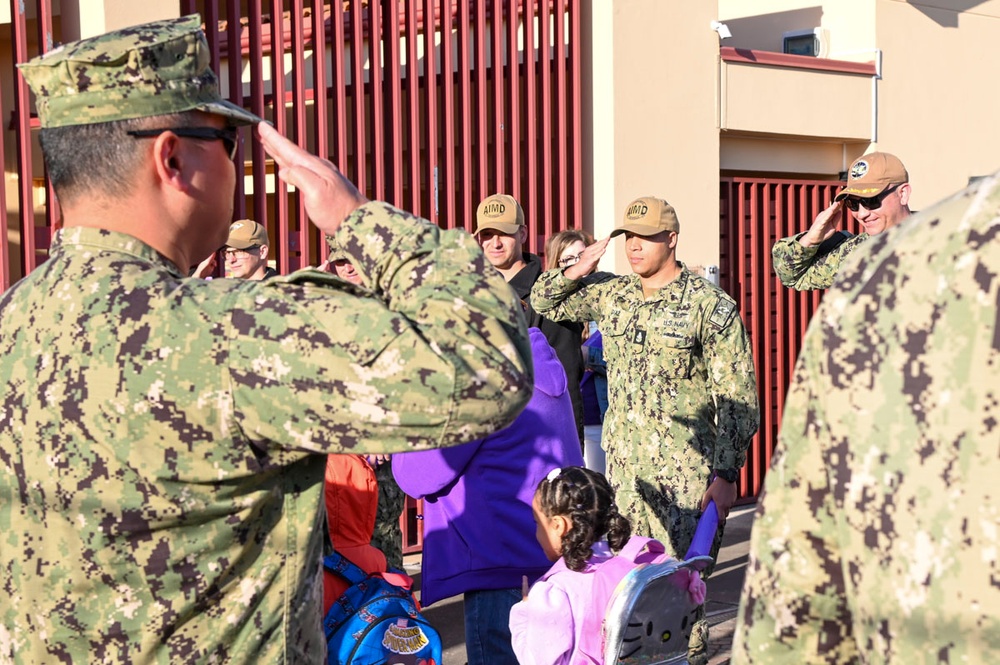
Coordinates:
338 564
637 544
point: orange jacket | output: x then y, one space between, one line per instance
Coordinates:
351 502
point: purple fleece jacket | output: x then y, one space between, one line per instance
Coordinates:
478 529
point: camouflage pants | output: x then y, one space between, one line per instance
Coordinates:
387 536
660 504
665 506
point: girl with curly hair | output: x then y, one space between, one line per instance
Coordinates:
578 527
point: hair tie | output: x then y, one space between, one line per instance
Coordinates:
553 474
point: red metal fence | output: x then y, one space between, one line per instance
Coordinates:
754 213
429 104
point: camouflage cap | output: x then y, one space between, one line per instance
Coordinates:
151 69
647 216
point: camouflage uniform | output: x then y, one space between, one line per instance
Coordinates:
877 535
388 536
806 268
163 439
681 391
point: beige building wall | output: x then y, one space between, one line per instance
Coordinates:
934 103
649 119
939 98
86 18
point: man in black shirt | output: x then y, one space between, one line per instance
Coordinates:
501 232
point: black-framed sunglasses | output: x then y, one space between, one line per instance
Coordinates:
870 203
230 136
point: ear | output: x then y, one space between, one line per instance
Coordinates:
263 252
904 194
562 525
672 239
169 161
522 234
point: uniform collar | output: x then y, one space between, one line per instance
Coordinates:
77 238
672 292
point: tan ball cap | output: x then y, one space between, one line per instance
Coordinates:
647 216
246 233
500 212
872 174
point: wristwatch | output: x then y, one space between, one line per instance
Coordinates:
729 475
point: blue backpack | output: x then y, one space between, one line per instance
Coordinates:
376 622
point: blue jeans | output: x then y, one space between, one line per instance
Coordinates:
487 626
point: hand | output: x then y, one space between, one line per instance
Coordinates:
207 267
329 197
824 226
588 260
375 460
723 493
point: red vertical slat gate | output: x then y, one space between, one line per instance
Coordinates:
431 105
754 213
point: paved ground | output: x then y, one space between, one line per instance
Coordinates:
723 595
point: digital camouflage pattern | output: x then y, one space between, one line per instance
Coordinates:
804 268
388 536
681 390
877 536
152 69
163 439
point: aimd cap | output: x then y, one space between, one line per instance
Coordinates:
500 212
150 69
246 233
647 216
872 174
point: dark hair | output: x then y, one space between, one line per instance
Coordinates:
588 500
101 158
556 243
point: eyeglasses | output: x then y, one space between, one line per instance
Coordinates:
567 261
231 253
230 136
870 203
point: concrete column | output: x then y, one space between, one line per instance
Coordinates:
650 118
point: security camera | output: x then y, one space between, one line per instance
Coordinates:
722 29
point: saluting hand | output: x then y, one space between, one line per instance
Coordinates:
588 260
329 197
824 226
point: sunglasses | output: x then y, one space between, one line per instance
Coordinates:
870 203
230 136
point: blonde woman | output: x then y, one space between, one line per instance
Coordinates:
563 249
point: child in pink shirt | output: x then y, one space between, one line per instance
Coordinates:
578 525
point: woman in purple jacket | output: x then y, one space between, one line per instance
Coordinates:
479 533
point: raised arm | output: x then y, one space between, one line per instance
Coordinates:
439 355
810 260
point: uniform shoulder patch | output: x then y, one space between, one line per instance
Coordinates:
723 312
